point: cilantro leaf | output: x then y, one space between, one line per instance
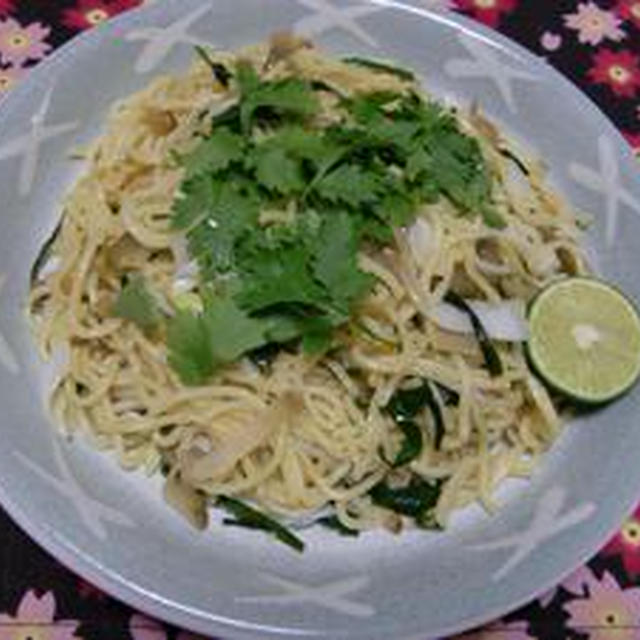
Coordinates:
284 159
277 171
290 96
418 164
136 304
426 190
491 217
281 283
200 343
376 230
291 322
247 78
317 335
190 353
232 213
369 106
279 275
301 143
283 327
399 134
193 202
232 332
397 208
214 154
351 184
336 260
431 115
457 166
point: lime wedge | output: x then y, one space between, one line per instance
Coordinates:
584 339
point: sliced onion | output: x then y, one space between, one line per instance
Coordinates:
541 259
185 278
593 258
545 262
162 302
305 519
502 321
492 268
421 239
180 251
51 266
182 285
187 502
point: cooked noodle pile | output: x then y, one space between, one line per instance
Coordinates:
302 434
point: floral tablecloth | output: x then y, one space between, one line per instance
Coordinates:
594 42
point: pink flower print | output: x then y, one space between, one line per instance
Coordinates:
629 10
19 44
578 584
499 631
9 78
34 619
620 70
550 41
143 628
626 542
6 7
594 24
90 13
89 592
488 11
608 613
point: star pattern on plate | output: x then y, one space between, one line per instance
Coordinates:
607 181
93 513
548 521
7 358
160 41
327 16
487 61
29 145
331 595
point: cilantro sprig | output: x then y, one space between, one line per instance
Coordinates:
341 185
136 303
291 97
200 343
